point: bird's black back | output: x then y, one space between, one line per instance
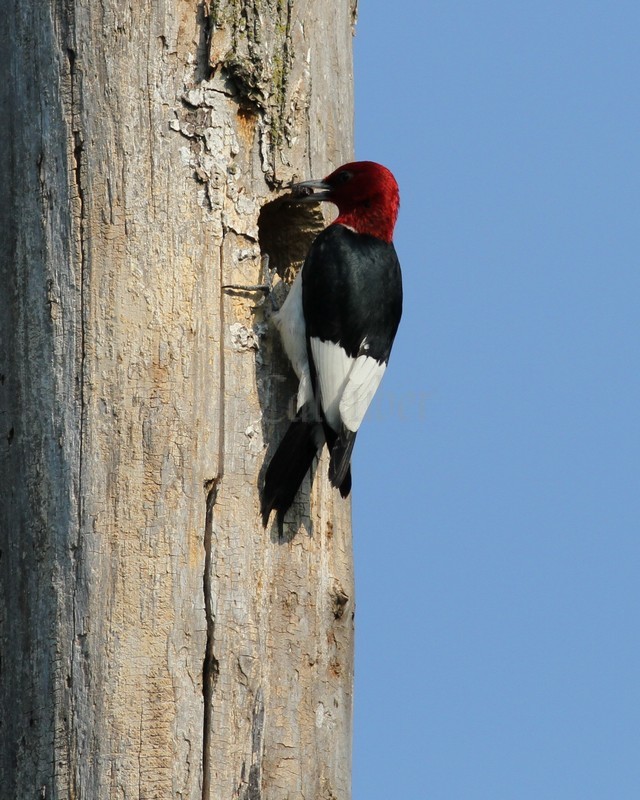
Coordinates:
352 289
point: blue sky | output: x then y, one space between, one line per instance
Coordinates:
497 477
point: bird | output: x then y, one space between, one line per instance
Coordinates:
337 326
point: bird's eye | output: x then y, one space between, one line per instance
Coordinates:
343 177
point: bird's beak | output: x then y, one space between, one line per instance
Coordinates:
305 192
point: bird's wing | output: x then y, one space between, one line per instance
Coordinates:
352 302
362 383
347 384
332 367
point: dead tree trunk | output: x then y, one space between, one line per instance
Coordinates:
155 641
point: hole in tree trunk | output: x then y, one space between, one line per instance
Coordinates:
286 229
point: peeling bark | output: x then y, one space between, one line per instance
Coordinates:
155 642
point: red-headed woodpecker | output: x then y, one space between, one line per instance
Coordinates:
337 326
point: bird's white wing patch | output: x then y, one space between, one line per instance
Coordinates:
362 383
291 325
332 368
347 385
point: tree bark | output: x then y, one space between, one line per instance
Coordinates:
155 641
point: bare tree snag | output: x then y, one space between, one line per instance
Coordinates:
155 641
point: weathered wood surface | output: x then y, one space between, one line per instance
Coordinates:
156 642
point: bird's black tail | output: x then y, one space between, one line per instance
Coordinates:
340 449
290 463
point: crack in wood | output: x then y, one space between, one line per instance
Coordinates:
206 23
254 788
79 214
211 664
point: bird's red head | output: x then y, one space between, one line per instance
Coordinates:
366 194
